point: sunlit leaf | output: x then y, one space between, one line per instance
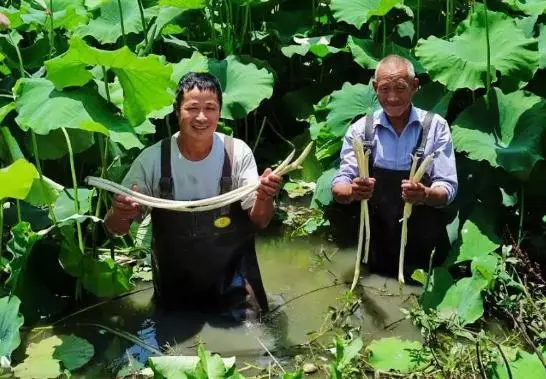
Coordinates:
145 80
351 101
358 12
531 7
394 354
42 109
433 97
197 63
464 300
323 192
40 362
461 62
318 46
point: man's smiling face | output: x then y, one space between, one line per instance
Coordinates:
395 88
199 114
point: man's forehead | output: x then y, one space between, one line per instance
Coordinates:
393 72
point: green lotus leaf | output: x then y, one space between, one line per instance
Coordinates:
196 63
395 354
350 101
40 362
17 179
64 206
9 148
504 130
67 14
145 81
105 278
485 267
464 300
368 53
10 322
53 145
166 12
462 61
184 4
244 86
530 7
440 282
525 365
477 237
358 12
42 109
74 352
433 97
318 46
20 246
106 28
323 192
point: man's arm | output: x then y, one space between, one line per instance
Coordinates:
263 208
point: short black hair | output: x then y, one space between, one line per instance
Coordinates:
203 81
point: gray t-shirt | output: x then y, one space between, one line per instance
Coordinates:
194 180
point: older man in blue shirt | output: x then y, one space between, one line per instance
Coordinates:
393 134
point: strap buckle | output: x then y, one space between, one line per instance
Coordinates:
419 152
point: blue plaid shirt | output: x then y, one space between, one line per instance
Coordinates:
394 152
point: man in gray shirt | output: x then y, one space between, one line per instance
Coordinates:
393 133
204 260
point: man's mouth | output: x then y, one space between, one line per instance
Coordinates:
200 127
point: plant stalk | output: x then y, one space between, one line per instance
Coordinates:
259 134
19 56
143 20
18 204
75 185
418 20
521 216
122 23
488 73
51 30
39 168
245 25
384 36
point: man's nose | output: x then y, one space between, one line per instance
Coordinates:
201 116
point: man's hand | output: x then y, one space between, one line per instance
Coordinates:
124 210
270 185
362 188
414 193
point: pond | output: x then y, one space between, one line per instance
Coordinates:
302 276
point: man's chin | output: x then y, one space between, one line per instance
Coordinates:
395 113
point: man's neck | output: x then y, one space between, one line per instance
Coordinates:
194 150
399 123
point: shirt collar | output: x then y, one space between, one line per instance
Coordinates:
381 118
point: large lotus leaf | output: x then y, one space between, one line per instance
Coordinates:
184 4
10 322
64 206
105 278
20 246
345 104
42 109
106 28
67 14
530 7
9 147
368 53
440 282
318 46
145 80
40 362
504 130
196 63
542 45
462 61
166 12
53 145
33 56
485 267
357 12
175 366
395 354
21 180
433 97
526 365
74 352
478 238
464 300
244 86
323 193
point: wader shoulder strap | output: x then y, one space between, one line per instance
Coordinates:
166 185
425 128
225 181
368 132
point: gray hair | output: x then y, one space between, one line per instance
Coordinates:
396 59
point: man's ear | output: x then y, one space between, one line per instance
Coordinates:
416 84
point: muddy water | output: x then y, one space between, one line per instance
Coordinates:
302 277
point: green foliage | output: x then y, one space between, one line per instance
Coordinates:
358 12
10 322
462 62
74 352
398 355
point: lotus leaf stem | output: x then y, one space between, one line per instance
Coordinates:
122 24
39 168
488 49
198 205
362 160
407 211
143 20
75 184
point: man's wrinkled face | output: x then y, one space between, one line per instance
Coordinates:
199 114
394 88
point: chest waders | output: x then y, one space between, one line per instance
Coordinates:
206 261
426 225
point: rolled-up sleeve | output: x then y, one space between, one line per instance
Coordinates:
348 167
444 171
